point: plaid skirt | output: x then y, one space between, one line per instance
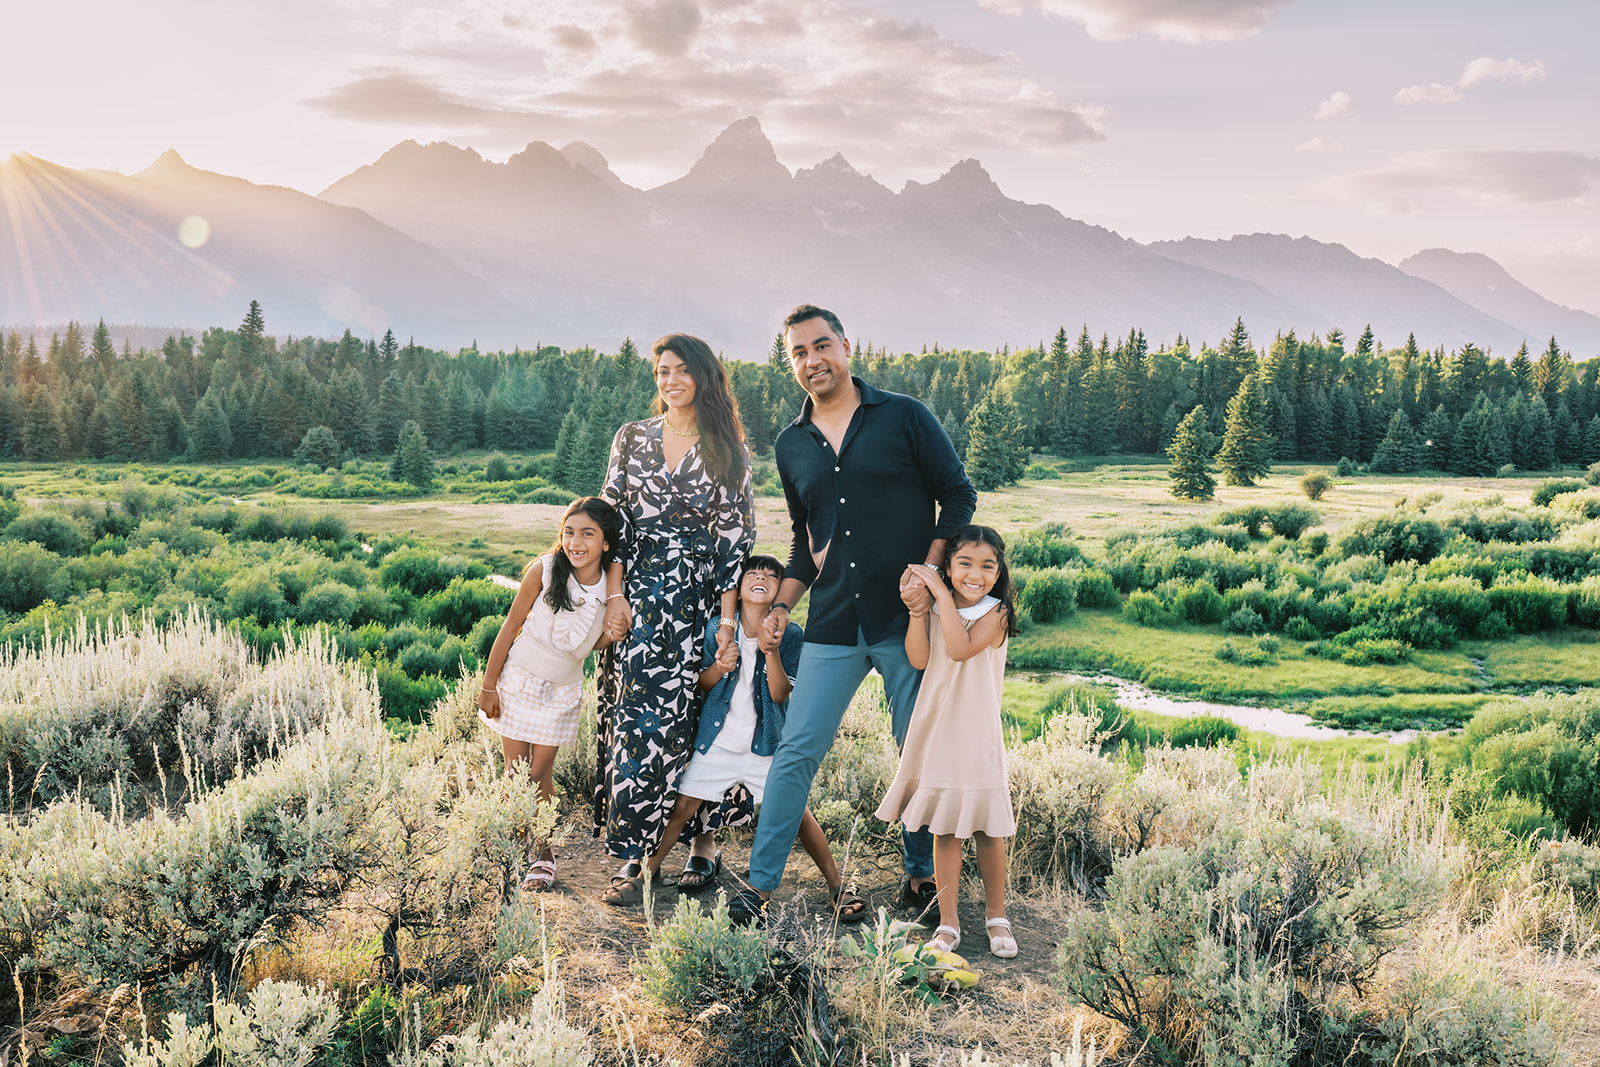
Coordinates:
533 710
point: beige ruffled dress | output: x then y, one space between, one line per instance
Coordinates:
952 776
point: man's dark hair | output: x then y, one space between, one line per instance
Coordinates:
806 312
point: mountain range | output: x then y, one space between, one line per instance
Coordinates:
551 246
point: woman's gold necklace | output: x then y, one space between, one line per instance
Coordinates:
681 433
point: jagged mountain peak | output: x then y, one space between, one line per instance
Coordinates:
741 161
965 182
168 162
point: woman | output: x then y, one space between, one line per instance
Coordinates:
681 483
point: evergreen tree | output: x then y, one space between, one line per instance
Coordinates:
413 459
11 408
1522 370
1346 423
1317 426
320 449
1591 442
1536 438
252 335
955 428
104 352
1467 368
1550 375
1398 452
566 466
394 411
997 450
1246 452
1437 436
1285 426
1568 434
210 437
594 446
41 427
1191 457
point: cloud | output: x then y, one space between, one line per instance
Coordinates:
1318 144
1480 69
1339 103
1493 177
649 79
1189 21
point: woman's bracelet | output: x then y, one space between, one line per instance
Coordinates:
614 596
725 621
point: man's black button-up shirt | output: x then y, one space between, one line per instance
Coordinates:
860 516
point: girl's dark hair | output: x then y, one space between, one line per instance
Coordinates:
721 433
986 535
557 595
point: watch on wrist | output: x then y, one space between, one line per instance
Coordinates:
776 604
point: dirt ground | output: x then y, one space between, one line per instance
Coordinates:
1016 1013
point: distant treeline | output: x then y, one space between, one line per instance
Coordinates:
242 394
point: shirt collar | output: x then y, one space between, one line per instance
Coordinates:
870 397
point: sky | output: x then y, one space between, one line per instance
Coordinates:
1389 126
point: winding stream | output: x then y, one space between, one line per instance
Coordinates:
1275 721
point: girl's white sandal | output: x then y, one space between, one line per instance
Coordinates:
936 942
1001 943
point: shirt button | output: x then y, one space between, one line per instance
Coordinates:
858 596
847 533
836 470
852 564
841 500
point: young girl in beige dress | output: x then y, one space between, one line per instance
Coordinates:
952 776
533 682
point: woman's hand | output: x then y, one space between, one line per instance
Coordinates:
489 703
727 637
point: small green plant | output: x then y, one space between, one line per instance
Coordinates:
1316 485
698 956
1049 596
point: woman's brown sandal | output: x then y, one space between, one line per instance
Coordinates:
628 886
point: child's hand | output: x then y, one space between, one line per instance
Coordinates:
489 703
914 592
768 641
728 657
931 581
619 618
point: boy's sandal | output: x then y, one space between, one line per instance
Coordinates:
848 905
747 908
1001 943
945 939
541 876
703 873
628 886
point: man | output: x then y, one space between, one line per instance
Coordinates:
862 471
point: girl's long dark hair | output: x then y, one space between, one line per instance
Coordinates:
721 432
558 596
986 535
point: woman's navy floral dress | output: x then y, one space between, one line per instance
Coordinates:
684 537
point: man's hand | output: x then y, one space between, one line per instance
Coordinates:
772 627
914 591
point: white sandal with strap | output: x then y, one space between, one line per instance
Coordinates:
540 877
1001 943
937 944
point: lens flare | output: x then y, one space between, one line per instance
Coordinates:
194 231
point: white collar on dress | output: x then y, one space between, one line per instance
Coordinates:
976 611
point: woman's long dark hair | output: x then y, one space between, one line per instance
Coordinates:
986 535
715 409
558 596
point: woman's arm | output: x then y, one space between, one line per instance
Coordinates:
527 593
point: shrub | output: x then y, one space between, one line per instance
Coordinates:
1550 489
1250 516
462 603
1227 652
1041 471
1529 603
255 593
1200 602
698 956
1146 609
420 659
261 526
319 449
497 468
1507 470
1585 602
538 1036
50 531
1096 589
282 1023
1301 629
1048 597
481 638
1291 520
329 602
1546 748
1049 545
1393 537
1242 945
404 697
1592 474
1346 468
1316 484
1244 621
416 570
31 575
1268 644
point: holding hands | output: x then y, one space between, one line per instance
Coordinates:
619 618
920 585
728 656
